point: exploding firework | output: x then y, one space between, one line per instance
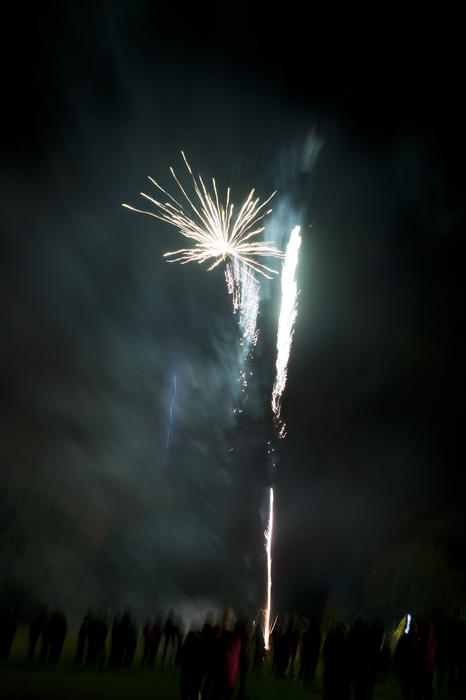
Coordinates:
217 232
219 236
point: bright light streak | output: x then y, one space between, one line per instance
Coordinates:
268 548
217 233
408 623
288 313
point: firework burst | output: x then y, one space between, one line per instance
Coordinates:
221 235
218 233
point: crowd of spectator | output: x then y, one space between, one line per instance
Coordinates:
214 656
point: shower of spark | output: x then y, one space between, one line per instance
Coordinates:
244 290
288 313
217 233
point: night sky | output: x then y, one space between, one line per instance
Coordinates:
94 506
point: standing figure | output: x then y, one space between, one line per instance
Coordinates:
58 629
227 655
8 626
310 650
337 671
35 630
82 638
191 664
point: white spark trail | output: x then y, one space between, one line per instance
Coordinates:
268 548
288 313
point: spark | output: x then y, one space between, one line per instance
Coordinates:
218 233
268 548
244 290
286 322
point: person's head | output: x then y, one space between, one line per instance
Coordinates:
227 619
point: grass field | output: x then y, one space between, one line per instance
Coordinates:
17 681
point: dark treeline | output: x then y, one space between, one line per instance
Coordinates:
215 655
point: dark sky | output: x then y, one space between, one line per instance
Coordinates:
96 324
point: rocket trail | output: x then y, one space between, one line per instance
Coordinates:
286 322
268 549
288 313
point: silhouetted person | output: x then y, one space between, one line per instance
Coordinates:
337 672
58 629
35 630
127 637
376 649
131 640
155 634
259 652
451 655
281 645
191 660
292 642
431 651
246 637
445 651
116 647
93 632
8 626
170 637
425 645
45 640
404 664
227 654
208 641
360 645
146 637
310 650
100 637
179 634
385 661
460 656
82 639
92 642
